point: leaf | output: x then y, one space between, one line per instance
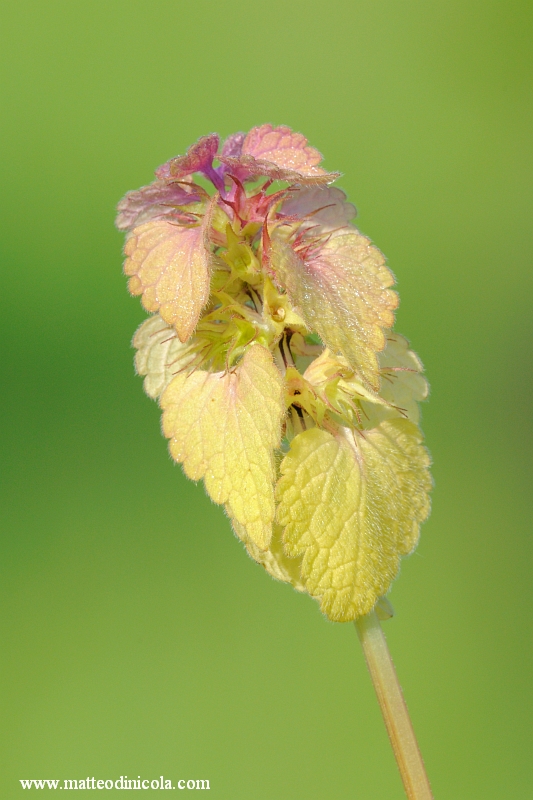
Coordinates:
324 208
278 153
169 265
233 145
352 505
403 386
248 168
224 427
340 288
198 158
282 147
160 354
274 560
155 201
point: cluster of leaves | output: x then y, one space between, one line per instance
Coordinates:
271 352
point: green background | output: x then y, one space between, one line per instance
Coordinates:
137 637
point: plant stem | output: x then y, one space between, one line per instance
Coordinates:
393 707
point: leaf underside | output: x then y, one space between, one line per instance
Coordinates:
160 354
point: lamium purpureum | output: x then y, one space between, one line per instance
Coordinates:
270 348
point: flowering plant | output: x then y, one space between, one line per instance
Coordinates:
281 382
271 352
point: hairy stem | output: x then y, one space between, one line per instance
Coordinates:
393 708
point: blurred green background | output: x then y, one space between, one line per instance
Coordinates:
137 637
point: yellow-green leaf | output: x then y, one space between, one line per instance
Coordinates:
352 504
340 288
160 354
223 427
274 560
169 265
403 386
